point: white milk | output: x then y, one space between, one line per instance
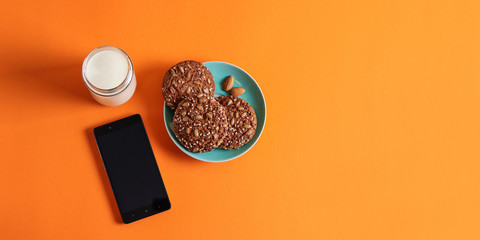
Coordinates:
108 74
107 69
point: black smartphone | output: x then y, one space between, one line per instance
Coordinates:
131 168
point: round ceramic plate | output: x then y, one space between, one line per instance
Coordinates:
253 95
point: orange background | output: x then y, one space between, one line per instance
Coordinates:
372 128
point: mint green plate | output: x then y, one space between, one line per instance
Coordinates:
253 95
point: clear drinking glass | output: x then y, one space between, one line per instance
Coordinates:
122 89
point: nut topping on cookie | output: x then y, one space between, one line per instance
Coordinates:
188 77
242 122
200 133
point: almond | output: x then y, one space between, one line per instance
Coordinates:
237 91
228 83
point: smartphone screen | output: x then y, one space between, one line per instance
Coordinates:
131 168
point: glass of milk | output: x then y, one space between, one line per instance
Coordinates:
108 73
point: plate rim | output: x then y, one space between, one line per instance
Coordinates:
228 159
